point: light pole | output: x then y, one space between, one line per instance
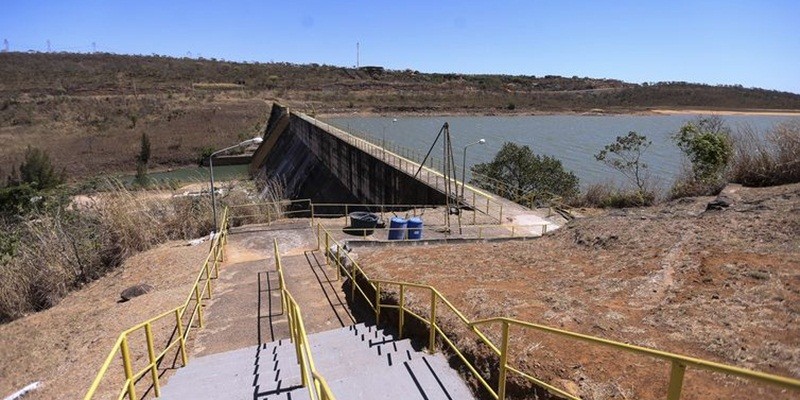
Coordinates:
211 170
464 167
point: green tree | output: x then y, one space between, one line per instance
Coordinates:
625 155
144 149
706 141
37 170
142 160
519 173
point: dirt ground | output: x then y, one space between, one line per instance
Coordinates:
64 346
719 285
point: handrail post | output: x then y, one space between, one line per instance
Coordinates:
402 310
327 248
353 282
208 280
312 218
318 241
338 263
432 334
675 380
181 339
377 303
501 384
501 213
126 365
151 354
199 306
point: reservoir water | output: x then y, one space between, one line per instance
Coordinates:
574 139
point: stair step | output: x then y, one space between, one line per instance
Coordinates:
358 362
436 379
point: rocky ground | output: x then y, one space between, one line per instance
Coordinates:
720 284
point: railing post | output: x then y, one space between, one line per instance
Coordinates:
402 311
327 248
199 305
338 263
675 380
432 333
501 384
208 280
151 354
377 303
181 339
318 241
501 213
126 365
353 282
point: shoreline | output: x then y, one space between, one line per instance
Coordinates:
593 112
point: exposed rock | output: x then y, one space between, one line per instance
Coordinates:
135 291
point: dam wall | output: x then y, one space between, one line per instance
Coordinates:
317 161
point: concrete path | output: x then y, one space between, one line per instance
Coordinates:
245 310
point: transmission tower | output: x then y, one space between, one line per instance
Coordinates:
5 45
48 45
94 47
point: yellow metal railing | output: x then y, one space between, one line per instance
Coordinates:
344 263
317 386
305 208
184 317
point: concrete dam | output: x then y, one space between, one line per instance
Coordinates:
318 161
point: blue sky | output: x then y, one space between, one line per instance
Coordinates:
752 43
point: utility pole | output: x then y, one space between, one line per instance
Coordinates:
48 45
5 45
358 55
94 47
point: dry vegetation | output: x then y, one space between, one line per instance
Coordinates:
720 285
62 249
89 110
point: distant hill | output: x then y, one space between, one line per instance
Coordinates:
328 88
90 110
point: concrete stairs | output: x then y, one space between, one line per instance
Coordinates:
358 362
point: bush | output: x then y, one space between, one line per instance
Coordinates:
708 145
706 141
518 173
774 160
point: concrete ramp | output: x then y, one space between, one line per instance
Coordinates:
358 362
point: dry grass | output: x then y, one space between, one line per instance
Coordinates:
717 285
774 160
65 248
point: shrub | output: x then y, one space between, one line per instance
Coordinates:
625 155
519 173
774 160
706 141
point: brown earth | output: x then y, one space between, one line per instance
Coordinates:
719 285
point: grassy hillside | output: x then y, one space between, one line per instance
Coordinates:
89 110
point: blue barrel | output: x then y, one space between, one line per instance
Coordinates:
397 228
415 228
